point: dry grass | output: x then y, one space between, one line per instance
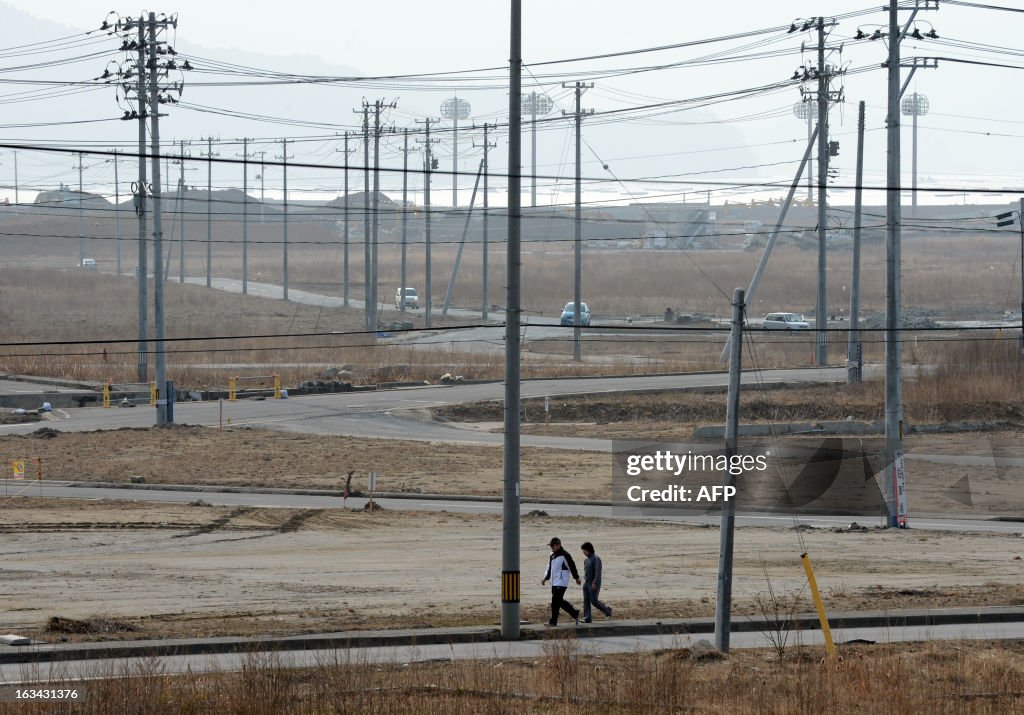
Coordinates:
971 678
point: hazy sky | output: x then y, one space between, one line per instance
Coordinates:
971 137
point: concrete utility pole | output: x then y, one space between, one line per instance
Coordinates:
181 212
81 216
284 161
209 210
462 243
405 214
262 177
487 145
577 338
17 201
158 290
378 106
723 602
894 264
368 303
117 214
510 498
853 348
245 216
428 167
142 278
821 305
345 218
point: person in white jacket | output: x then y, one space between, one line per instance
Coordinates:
560 567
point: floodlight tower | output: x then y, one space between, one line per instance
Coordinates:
535 105
455 109
914 105
808 110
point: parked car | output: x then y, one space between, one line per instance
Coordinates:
410 296
89 264
785 321
569 314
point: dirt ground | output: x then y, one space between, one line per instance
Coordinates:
193 455
137 570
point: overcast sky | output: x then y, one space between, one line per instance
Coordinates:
971 137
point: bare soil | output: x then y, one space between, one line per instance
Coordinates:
134 570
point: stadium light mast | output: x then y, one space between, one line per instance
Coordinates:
455 109
534 105
914 105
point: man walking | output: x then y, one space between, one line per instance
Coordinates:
560 566
592 583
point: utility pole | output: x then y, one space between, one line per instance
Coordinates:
81 216
893 457
117 213
487 145
133 81
821 304
368 303
429 164
853 348
181 212
723 602
405 214
209 210
158 290
262 178
17 201
284 160
577 338
245 216
141 191
510 500
345 215
377 107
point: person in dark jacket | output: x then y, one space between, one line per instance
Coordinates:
592 583
560 566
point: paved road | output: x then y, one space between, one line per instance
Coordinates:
18 673
376 413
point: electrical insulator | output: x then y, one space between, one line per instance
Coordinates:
833 148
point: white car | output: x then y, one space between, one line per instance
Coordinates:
785 321
89 264
410 296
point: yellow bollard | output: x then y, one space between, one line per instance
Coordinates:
106 394
830 647
277 387
152 394
233 389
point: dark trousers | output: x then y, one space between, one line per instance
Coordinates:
558 602
590 598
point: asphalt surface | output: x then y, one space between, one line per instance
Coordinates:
374 413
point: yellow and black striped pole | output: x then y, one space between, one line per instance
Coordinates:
510 581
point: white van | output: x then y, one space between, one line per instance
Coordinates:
89 264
